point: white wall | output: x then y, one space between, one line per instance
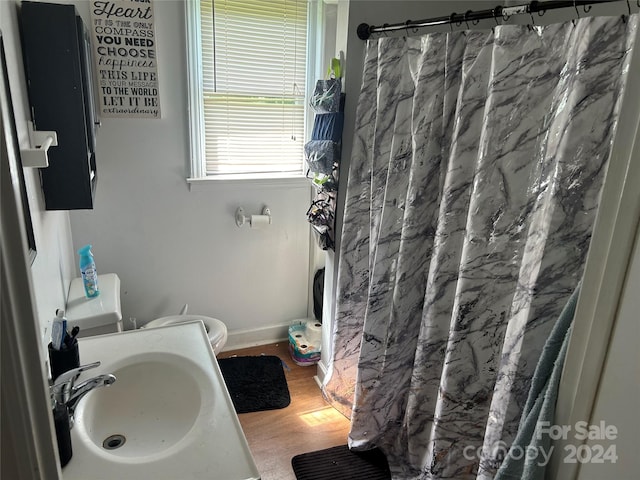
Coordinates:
54 266
170 245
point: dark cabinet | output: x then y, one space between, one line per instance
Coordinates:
56 47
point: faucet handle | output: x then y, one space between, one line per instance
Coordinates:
61 388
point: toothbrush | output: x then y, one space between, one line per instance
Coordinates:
69 340
58 330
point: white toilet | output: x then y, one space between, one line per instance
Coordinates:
102 314
216 330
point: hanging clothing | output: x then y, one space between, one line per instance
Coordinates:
477 164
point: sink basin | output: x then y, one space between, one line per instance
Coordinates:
167 416
154 403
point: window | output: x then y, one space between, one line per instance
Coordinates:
248 67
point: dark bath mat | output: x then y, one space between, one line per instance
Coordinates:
255 383
340 463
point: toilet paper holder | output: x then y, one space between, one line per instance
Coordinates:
253 220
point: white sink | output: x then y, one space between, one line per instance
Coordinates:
154 403
167 416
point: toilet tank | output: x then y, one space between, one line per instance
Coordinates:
98 315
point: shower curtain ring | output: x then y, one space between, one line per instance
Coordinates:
533 6
466 14
451 19
406 26
496 12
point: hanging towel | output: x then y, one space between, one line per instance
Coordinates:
541 404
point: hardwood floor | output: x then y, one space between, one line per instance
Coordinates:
307 424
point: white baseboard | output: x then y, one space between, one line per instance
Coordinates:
321 374
253 337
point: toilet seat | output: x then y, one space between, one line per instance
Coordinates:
216 329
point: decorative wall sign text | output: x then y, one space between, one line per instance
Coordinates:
124 52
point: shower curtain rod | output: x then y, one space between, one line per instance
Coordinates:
365 30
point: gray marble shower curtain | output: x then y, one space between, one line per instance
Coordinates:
475 177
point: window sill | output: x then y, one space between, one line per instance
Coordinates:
255 180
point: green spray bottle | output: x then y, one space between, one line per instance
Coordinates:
88 272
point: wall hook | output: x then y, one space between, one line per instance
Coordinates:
36 156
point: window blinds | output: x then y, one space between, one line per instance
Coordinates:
254 75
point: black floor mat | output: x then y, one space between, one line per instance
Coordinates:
255 383
340 463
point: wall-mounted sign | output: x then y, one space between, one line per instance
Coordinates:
124 52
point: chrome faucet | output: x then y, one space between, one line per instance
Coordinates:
64 391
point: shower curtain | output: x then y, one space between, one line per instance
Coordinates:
474 183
